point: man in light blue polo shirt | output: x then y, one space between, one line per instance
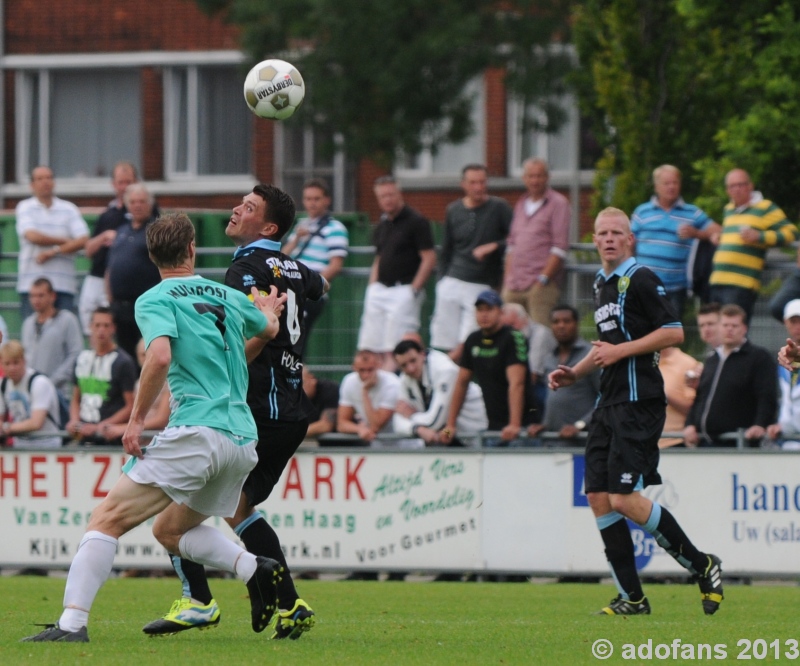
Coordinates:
665 228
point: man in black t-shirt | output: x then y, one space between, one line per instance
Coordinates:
404 260
635 320
276 398
496 358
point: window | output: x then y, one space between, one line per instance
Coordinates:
79 122
559 149
207 125
450 158
299 156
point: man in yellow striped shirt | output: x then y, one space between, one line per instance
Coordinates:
751 224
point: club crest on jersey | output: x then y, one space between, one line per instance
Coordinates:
623 284
276 271
248 281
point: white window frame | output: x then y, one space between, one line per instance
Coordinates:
88 186
334 174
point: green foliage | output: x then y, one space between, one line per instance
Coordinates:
704 85
648 97
391 75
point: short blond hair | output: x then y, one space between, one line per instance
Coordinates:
12 351
610 211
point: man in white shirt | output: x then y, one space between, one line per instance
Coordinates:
426 388
367 399
29 398
50 232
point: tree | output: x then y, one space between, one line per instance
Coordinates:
651 99
391 76
762 135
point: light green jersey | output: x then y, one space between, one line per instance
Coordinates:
207 324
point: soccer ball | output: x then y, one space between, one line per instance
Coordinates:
274 89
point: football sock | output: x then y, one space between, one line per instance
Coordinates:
260 539
193 578
206 545
619 553
669 535
90 568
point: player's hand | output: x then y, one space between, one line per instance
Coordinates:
606 354
131 437
789 355
272 302
563 375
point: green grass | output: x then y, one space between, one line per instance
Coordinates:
394 623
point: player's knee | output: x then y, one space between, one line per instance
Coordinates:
599 503
623 504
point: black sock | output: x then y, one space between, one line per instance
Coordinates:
193 577
669 535
619 553
260 539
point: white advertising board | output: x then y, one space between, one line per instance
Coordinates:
436 511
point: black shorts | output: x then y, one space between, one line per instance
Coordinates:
277 443
622 447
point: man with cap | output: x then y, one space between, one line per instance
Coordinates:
496 358
787 429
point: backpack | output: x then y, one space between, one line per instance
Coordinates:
63 407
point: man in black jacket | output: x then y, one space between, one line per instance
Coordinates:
738 388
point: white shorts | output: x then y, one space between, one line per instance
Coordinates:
454 314
93 295
389 313
196 466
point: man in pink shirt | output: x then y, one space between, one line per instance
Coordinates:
537 244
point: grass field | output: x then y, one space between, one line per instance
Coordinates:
404 623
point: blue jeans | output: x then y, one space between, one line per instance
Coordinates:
745 298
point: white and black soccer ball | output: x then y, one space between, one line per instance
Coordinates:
274 89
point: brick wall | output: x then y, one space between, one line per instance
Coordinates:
96 26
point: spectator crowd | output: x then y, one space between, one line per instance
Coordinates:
500 324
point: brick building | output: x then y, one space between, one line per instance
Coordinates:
88 83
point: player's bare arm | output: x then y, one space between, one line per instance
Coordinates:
154 373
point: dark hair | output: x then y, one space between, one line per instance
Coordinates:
320 184
474 166
279 210
709 308
43 282
103 310
405 346
169 238
564 306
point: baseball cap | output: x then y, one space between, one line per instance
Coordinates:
491 297
792 309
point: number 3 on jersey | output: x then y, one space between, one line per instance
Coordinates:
292 312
